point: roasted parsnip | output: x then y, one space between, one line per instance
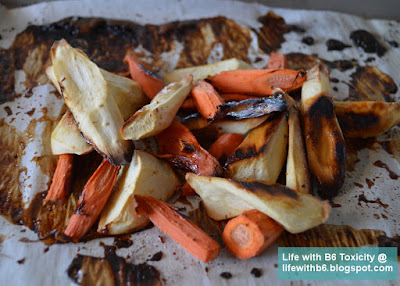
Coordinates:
297 173
324 139
262 153
66 137
145 175
363 119
159 113
295 211
85 93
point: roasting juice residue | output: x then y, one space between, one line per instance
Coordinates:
111 270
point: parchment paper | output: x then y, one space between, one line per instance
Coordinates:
42 267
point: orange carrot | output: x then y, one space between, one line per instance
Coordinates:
149 81
188 104
250 233
92 200
207 100
180 229
61 183
225 145
258 82
179 146
277 61
187 190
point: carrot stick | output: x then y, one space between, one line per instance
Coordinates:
188 104
250 233
92 200
277 61
61 183
257 82
179 146
225 145
148 80
207 100
180 229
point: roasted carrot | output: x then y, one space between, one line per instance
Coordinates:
61 183
257 82
250 233
180 229
188 104
92 200
149 81
225 145
277 61
207 100
179 146
187 190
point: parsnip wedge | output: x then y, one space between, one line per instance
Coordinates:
262 153
324 139
202 72
66 137
146 175
159 113
94 109
363 119
297 173
295 211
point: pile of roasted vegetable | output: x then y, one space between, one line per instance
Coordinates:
253 127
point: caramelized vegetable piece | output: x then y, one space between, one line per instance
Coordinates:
92 200
159 113
61 184
295 211
258 82
207 100
297 172
323 137
85 93
149 81
181 148
253 107
146 175
277 61
179 228
262 153
250 233
363 119
66 137
225 145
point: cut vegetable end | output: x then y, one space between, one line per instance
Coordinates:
250 233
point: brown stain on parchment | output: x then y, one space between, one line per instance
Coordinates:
329 235
111 270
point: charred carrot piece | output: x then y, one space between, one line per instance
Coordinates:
148 80
180 229
181 148
258 82
61 183
92 200
225 145
207 100
277 61
250 233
